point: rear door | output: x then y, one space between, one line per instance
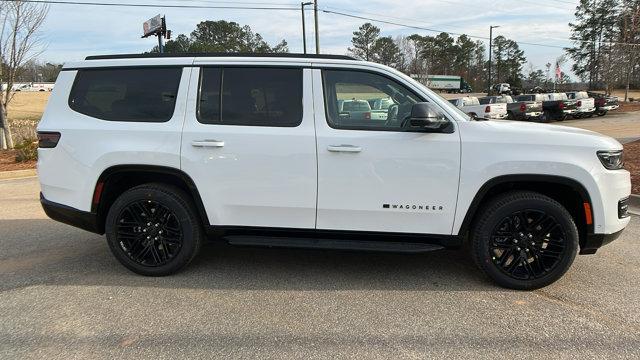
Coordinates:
379 175
249 145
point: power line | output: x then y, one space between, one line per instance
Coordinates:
431 30
283 7
173 6
326 10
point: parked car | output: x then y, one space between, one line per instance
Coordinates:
516 110
471 105
585 105
380 108
357 110
134 148
502 89
557 106
604 103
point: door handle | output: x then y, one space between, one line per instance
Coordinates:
344 148
207 143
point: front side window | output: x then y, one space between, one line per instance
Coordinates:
366 101
126 94
251 97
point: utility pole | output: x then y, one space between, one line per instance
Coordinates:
315 14
490 53
304 29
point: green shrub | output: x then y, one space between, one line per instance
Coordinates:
27 150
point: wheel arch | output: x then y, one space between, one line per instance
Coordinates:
568 192
117 179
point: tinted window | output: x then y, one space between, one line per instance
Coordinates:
362 100
141 94
209 100
485 101
253 97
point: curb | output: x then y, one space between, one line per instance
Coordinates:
17 174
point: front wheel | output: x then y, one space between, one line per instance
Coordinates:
154 229
524 240
601 113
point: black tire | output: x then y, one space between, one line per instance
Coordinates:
545 117
510 115
168 219
508 247
601 113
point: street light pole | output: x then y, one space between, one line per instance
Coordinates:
490 53
304 29
315 13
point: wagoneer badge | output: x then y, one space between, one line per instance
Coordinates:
413 207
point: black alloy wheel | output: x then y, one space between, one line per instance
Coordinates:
527 244
524 240
149 233
154 229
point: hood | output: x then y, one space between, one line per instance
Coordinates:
544 134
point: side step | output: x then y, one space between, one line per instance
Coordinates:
307 243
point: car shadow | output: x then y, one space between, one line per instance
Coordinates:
48 253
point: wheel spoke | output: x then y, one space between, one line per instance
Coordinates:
528 244
149 233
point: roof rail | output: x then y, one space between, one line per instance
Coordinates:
170 55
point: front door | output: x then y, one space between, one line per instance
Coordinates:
249 145
374 174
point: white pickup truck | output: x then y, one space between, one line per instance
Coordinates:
586 105
472 107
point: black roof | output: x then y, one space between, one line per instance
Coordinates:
170 55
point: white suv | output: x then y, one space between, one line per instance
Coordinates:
161 153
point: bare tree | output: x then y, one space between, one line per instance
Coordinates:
19 43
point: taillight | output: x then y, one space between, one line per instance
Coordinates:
523 107
487 109
367 116
579 104
561 105
47 139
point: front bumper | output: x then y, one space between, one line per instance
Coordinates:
609 107
65 214
593 242
588 110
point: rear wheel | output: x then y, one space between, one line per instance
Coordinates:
601 113
545 117
524 240
510 115
154 229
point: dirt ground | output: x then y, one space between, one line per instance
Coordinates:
8 162
632 163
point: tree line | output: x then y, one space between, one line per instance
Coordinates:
442 55
606 38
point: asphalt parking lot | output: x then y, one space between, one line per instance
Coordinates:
63 296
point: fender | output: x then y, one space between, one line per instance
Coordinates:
150 173
520 179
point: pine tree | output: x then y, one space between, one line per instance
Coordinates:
363 41
594 26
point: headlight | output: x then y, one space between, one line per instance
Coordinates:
612 160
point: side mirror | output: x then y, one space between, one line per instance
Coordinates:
426 117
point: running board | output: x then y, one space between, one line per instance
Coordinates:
307 243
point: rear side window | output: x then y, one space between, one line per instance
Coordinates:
251 97
136 95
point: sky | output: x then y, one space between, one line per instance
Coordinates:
72 32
